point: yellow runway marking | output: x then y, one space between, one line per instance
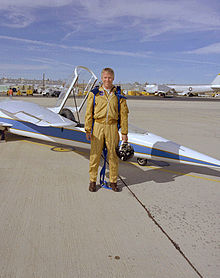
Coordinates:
36 143
136 164
58 149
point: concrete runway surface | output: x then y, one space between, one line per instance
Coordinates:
164 223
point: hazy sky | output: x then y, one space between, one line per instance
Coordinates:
154 41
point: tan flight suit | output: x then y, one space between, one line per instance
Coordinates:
105 129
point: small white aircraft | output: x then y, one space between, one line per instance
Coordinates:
184 90
61 124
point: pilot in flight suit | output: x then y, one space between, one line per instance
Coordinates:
101 127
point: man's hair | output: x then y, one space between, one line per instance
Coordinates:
109 70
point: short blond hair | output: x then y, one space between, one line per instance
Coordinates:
109 70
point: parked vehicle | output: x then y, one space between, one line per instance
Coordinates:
51 93
29 92
56 93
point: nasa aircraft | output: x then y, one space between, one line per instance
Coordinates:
190 90
61 124
184 90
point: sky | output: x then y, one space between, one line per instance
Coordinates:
143 41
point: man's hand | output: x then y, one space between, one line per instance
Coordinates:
124 137
88 136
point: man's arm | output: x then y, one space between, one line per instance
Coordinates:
124 119
89 116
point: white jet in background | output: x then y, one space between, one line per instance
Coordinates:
191 90
184 90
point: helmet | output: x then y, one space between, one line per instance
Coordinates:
125 151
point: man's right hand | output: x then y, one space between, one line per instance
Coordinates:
88 136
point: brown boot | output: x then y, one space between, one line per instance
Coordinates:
92 186
114 186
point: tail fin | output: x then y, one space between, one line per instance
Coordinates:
216 81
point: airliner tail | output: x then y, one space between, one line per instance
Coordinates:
216 81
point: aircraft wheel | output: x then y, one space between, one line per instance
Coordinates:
161 95
66 113
142 161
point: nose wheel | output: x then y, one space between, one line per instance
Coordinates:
142 161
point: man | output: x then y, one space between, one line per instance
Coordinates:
10 92
101 122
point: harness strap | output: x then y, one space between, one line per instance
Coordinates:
103 182
95 92
119 96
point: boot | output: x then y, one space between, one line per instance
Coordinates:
114 186
92 186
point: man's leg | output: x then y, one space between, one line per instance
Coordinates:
112 140
97 142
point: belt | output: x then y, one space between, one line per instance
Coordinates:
102 121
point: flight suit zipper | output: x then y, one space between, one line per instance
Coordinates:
108 101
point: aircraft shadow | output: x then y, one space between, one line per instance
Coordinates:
130 173
168 172
135 174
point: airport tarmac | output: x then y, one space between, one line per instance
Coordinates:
164 223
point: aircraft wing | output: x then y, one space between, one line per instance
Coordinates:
33 113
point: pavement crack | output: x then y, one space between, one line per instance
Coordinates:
162 229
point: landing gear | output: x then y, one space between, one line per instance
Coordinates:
161 94
142 161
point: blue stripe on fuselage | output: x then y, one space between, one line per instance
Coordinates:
79 136
63 133
169 155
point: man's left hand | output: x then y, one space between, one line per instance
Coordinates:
124 137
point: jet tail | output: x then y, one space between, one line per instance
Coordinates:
216 81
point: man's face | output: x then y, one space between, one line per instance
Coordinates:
107 79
